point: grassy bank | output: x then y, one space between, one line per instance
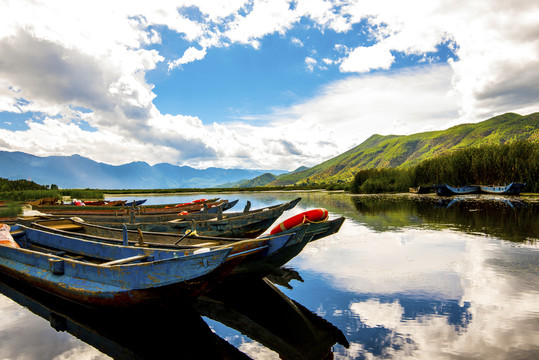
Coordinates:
492 164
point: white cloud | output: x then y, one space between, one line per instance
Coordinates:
310 63
266 17
61 55
495 43
296 41
190 55
364 59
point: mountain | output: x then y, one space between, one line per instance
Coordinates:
404 150
261 180
79 172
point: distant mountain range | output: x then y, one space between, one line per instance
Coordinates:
376 152
79 172
400 151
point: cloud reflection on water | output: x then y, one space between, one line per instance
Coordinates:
478 305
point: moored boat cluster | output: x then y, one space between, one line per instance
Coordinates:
447 190
102 255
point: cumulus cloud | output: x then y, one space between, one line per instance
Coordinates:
190 55
56 61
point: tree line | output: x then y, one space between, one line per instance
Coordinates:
487 165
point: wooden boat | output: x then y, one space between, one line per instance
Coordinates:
136 218
82 230
135 202
313 232
511 189
101 274
281 250
420 190
446 190
247 226
209 206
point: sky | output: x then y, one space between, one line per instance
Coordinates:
272 84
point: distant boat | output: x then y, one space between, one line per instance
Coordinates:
420 190
511 189
446 190
99 274
135 203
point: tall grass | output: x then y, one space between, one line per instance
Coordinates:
13 209
28 195
488 164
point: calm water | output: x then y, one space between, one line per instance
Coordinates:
407 276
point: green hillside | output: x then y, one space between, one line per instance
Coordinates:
261 180
402 151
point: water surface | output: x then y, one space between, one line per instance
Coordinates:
407 276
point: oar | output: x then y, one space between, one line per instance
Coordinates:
187 233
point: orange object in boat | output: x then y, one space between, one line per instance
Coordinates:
5 237
183 213
314 215
184 204
199 200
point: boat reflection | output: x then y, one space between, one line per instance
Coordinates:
155 332
502 217
263 313
175 328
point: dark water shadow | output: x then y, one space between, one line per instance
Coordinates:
175 328
508 218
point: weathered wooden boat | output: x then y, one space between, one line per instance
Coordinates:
102 274
511 189
446 190
248 226
135 202
252 253
313 232
208 206
420 190
281 247
134 217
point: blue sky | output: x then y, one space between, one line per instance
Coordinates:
265 84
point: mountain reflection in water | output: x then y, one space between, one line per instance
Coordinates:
508 218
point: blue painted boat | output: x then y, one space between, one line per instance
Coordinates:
135 203
253 253
511 189
229 205
446 190
101 274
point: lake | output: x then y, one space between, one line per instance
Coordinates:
407 276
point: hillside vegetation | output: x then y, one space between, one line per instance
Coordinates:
487 164
400 151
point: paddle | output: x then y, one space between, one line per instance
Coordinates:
187 233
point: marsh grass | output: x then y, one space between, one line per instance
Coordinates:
12 209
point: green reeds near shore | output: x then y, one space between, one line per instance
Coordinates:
12 209
488 164
28 195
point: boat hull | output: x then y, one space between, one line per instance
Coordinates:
511 189
446 190
102 283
